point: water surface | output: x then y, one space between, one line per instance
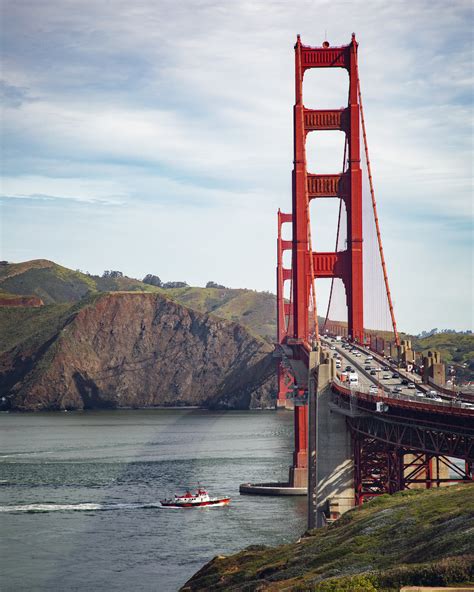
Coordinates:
79 495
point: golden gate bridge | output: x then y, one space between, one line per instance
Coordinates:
353 441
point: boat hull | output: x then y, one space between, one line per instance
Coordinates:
213 502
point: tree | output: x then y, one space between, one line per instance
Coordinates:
214 285
152 280
112 274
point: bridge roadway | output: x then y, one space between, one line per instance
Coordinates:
386 386
407 419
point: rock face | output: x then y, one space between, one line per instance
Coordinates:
138 350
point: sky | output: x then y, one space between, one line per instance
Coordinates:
155 136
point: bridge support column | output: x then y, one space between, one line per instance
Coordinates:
331 464
299 470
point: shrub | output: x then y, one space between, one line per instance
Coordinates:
359 583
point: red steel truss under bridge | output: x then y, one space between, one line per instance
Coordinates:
378 427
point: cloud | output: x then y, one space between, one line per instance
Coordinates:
188 106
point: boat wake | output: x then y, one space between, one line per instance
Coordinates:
86 507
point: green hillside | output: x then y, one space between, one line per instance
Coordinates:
56 284
454 347
255 310
33 325
411 538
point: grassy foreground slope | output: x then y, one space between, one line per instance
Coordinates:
410 538
56 284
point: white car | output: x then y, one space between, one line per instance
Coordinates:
333 347
358 354
411 385
386 376
373 390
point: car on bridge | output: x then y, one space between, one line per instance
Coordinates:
433 396
353 378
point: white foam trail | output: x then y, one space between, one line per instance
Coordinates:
86 507
91 507
32 453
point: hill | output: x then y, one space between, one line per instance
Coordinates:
127 349
454 347
255 310
56 284
410 538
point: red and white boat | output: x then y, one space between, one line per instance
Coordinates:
197 500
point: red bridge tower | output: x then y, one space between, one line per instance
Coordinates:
346 265
308 265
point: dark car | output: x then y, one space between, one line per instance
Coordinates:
395 375
373 373
405 381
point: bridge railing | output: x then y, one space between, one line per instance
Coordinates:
383 395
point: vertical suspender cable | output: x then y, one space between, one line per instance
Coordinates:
311 265
337 238
374 207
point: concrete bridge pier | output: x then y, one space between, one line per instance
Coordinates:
330 462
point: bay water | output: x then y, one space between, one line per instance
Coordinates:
80 491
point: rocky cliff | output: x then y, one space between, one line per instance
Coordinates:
133 350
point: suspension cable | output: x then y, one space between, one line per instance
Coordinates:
311 265
374 207
337 238
289 320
